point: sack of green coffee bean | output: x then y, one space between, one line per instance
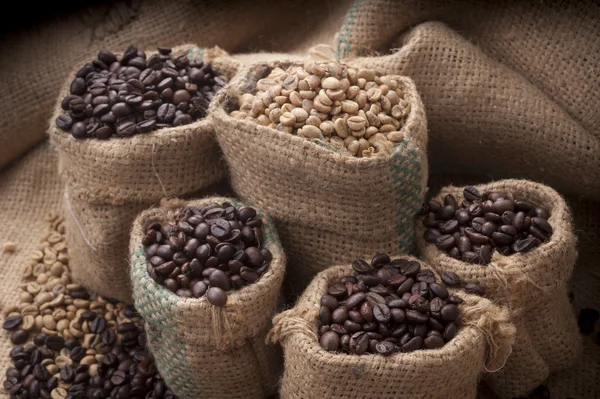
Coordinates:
337 155
516 237
130 130
406 337
206 278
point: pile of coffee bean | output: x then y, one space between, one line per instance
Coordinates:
134 94
389 306
358 111
83 346
482 224
212 249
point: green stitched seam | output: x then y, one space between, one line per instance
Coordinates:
407 173
343 45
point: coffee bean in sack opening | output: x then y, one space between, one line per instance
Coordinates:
484 224
137 94
83 345
360 112
212 249
389 306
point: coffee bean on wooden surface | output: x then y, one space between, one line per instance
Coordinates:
388 306
134 95
218 247
81 341
485 224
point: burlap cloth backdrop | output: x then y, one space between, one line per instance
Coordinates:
328 207
484 338
551 47
203 351
533 285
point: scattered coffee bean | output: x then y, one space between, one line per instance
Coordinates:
210 250
131 95
389 306
12 322
85 345
358 112
483 224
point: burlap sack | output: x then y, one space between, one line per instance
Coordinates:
483 110
203 351
449 372
532 285
329 208
108 182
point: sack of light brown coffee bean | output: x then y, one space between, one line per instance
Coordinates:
336 155
109 176
213 346
532 282
391 369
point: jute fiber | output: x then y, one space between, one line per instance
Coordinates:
311 372
203 351
482 110
324 203
532 284
108 182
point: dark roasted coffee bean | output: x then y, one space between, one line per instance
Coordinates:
502 239
471 194
431 235
462 217
449 227
439 290
55 342
445 242
12 322
216 296
541 224
451 279
542 213
446 213
412 345
330 341
19 337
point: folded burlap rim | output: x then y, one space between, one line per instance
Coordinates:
227 100
477 316
112 181
519 277
248 311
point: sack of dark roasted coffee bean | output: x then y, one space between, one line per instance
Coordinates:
336 155
126 139
388 329
206 278
516 238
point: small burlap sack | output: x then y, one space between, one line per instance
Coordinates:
108 182
533 285
449 372
329 208
481 109
203 351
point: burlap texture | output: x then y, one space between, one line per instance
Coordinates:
201 350
532 284
482 109
312 372
320 198
108 182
